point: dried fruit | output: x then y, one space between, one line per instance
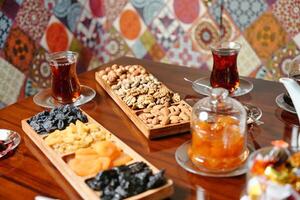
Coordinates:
126 181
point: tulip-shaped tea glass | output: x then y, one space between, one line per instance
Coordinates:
65 84
225 73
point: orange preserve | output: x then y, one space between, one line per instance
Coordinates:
218 134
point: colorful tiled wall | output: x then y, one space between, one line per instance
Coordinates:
171 31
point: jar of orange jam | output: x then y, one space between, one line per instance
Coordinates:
219 140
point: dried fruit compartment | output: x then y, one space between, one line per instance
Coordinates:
60 160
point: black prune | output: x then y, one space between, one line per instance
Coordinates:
125 181
57 118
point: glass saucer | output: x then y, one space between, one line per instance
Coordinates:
11 140
184 161
245 87
282 104
44 98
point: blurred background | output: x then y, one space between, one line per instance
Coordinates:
169 31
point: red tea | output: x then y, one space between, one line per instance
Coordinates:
65 84
225 73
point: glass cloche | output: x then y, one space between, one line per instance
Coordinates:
219 140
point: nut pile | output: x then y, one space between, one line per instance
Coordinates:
137 88
161 115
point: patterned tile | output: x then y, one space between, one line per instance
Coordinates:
84 55
130 25
11 81
263 73
97 9
113 9
49 4
56 36
247 59
203 34
183 54
244 12
19 49
68 12
148 9
30 88
156 52
228 30
187 11
19 2
5 25
166 28
266 35
94 63
297 40
89 31
280 61
40 71
10 8
114 46
288 12
33 18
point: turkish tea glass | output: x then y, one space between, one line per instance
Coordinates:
65 83
225 72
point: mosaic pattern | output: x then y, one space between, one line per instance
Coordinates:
68 12
113 8
56 36
19 49
183 54
40 71
170 31
33 18
88 31
10 8
204 34
247 60
11 81
280 61
195 9
288 12
245 12
114 45
166 28
228 30
148 9
85 55
130 25
266 35
5 24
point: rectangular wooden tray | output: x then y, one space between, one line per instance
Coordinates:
79 182
151 133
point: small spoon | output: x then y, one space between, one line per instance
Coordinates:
206 86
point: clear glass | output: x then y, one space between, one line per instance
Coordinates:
64 80
218 126
225 72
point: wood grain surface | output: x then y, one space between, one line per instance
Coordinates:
29 173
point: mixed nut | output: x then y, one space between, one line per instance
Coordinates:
157 105
162 115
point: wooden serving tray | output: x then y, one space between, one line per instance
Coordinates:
59 161
151 133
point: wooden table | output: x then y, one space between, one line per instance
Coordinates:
28 172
